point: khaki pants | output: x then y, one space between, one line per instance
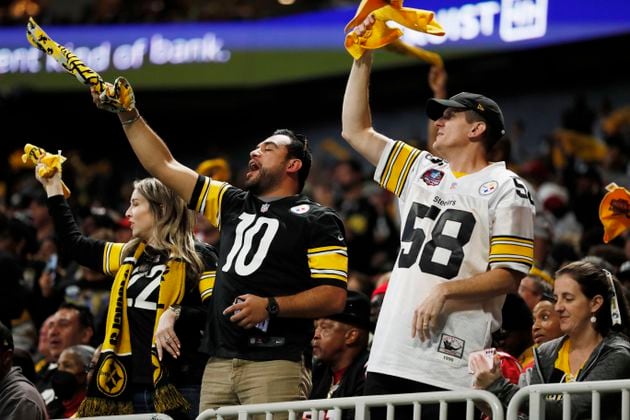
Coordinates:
237 382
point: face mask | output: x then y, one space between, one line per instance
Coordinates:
64 384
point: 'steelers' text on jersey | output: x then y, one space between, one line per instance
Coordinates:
274 248
452 228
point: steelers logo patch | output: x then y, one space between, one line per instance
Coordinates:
112 377
157 368
488 188
301 209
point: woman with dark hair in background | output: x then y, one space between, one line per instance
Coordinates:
594 320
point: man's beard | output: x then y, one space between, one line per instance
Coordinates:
265 181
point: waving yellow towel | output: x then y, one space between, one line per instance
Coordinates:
51 163
381 34
116 97
614 211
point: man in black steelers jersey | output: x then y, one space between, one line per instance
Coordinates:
283 262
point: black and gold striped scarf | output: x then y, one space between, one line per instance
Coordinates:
109 391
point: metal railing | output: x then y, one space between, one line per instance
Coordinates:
147 416
535 393
361 406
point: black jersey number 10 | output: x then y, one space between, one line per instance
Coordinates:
248 253
439 239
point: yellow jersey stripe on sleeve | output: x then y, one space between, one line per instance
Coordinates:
511 249
206 284
399 163
209 200
111 257
329 262
201 200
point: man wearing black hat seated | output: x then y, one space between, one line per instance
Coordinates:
340 349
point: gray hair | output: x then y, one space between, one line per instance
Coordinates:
83 352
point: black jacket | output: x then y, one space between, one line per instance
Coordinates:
351 383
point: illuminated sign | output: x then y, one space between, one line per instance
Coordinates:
156 50
299 46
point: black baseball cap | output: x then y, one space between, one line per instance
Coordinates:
482 105
356 312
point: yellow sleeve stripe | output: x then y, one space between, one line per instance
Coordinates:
399 163
209 201
511 249
206 284
514 258
328 249
111 257
343 278
505 248
332 263
513 239
201 200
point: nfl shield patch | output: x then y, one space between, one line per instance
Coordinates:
432 177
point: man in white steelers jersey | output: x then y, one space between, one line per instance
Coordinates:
466 240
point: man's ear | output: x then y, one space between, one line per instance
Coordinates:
352 335
86 335
294 165
478 128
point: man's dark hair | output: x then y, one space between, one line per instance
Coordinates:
86 319
298 149
491 136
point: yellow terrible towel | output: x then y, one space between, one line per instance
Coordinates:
381 34
51 163
117 97
614 211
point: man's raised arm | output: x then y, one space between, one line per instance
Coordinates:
356 117
153 153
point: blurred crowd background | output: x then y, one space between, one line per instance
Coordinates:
567 109
118 11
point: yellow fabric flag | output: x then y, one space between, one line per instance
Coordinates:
70 62
217 169
404 48
381 34
572 143
51 163
614 211
118 96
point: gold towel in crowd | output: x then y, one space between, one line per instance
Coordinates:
51 164
381 35
614 211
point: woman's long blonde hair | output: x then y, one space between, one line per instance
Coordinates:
174 223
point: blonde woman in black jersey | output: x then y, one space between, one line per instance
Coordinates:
160 276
